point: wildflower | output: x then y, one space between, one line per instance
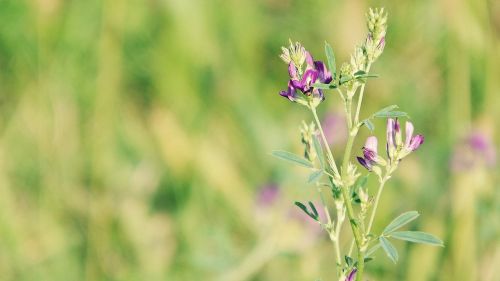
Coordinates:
396 150
370 156
352 275
302 79
290 93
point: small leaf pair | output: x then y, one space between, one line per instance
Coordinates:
313 213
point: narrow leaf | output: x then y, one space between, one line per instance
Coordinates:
331 60
372 250
369 125
359 73
345 79
304 208
292 158
319 151
315 176
417 237
313 208
391 114
349 261
361 76
389 249
322 86
386 109
401 220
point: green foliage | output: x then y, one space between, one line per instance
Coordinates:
313 214
417 237
319 152
389 249
315 176
400 221
293 158
331 60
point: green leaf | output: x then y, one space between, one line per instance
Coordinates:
369 124
401 220
391 114
324 86
345 79
349 261
304 208
366 76
417 237
292 158
319 152
359 73
372 250
386 109
389 249
315 176
313 208
331 60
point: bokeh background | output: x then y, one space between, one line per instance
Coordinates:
135 138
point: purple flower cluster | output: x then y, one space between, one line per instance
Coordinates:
475 150
315 71
396 149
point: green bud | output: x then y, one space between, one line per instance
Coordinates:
307 132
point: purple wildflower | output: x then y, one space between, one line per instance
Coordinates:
370 155
315 71
351 275
394 139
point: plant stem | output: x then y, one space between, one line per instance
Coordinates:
360 99
325 142
377 199
353 131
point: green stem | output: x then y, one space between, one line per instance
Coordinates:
377 199
325 142
353 131
360 99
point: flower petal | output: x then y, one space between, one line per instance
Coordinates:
364 163
416 141
324 75
292 71
409 133
371 143
309 60
351 275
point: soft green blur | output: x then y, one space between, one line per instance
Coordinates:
136 135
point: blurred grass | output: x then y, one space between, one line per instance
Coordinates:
135 136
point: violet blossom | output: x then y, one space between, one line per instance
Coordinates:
303 79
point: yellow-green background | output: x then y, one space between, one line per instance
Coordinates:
135 135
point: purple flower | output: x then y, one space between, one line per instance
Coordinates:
351 275
290 93
315 71
370 155
394 139
324 75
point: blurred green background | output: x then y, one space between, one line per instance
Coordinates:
136 137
